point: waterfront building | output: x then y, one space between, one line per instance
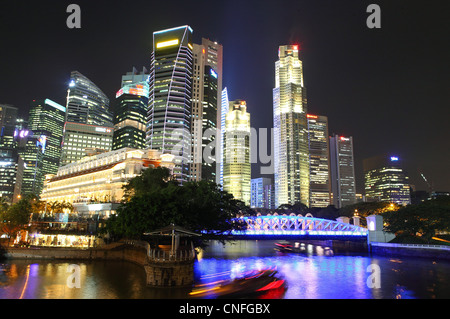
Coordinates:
291 158
224 108
41 148
237 165
385 180
342 171
169 108
206 100
262 193
130 116
83 139
93 184
86 102
319 160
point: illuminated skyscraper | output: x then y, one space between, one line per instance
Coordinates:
224 108
88 118
319 160
42 152
86 103
169 107
237 166
385 180
81 140
291 156
206 97
262 193
130 116
342 171
134 77
11 164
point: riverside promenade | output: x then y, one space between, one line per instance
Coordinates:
162 269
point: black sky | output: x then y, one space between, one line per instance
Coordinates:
389 88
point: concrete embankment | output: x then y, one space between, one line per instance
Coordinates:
117 251
411 250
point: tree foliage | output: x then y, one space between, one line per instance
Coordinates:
422 220
16 217
154 200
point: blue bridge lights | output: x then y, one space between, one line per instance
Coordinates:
276 225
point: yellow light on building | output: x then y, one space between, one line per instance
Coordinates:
169 43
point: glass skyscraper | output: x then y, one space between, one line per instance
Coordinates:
42 151
291 155
319 160
385 180
86 103
169 108
130 116
237 165
88 126
11 164
262 193
342 171
206 99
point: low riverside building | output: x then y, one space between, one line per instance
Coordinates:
93 184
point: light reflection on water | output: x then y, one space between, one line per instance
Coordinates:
309 276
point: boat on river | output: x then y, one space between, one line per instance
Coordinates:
255 284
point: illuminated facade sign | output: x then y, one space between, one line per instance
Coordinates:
213 73
140 89
42 142
167 43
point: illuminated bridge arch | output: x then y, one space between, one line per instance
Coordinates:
294 225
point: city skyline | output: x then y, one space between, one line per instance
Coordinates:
397 77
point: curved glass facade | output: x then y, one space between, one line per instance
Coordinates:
86 103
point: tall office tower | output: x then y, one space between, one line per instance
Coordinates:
8 116
319 161
130 116
385 180
86 103
206 97
81 140
11 174
261 193
169 107
342 171
291 158
237 165
42 151
224 108
11 164
135 76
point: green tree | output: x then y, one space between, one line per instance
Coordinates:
17 216
154 200
421 220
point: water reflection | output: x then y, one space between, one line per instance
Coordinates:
310 275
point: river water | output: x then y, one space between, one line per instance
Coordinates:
314 274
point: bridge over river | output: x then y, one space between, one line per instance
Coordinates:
298 227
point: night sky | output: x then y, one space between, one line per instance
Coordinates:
389 88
